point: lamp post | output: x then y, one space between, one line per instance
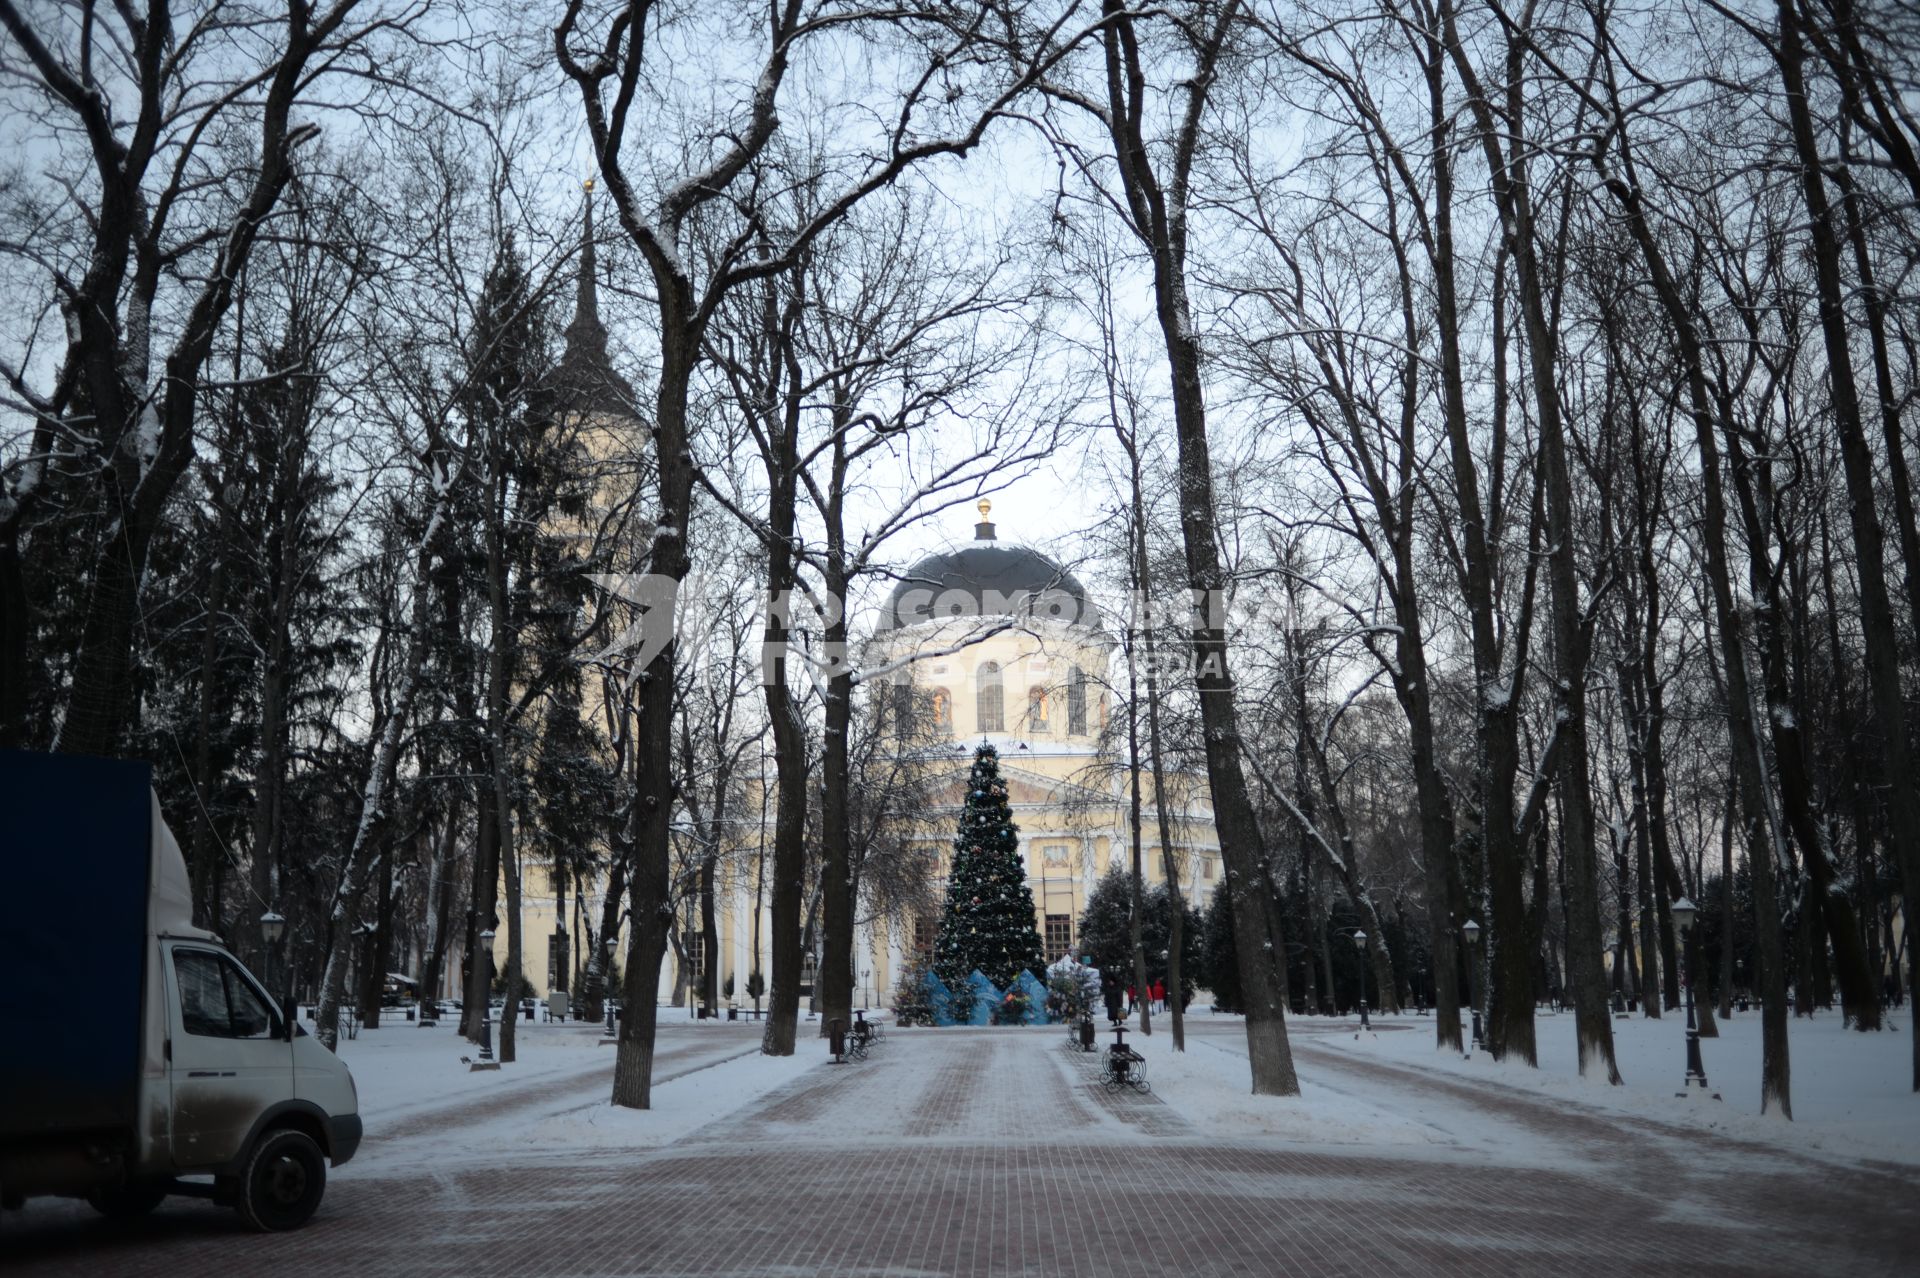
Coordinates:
1360 943
1683 915
272 927
612 1034
486 1060
1471 930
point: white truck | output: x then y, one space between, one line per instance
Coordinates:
138 1058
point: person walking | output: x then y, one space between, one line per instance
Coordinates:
1112 990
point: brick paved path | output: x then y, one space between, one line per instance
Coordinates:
989 1152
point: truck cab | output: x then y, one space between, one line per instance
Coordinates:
240 1071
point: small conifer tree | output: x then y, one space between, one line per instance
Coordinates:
912 1000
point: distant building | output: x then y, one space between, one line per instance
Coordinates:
1010 649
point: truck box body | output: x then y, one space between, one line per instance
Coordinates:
78 866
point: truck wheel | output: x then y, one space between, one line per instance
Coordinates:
284 1178
124 1202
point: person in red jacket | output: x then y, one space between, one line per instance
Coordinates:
1158 993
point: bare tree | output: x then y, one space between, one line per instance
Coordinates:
168 216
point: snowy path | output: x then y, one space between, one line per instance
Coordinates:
996 1152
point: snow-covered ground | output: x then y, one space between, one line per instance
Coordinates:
424 1107
1209 1086
980 1150
403 1068
422 1104
1850 1091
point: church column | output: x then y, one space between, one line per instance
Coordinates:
863 973
742 936
896 960
1087 857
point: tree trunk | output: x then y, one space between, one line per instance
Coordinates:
649 888
373 972
1446 912
100 706
780 457
1657 828
835 977
1726 906
1892 434
594 989
440 895
205 858
483 902
1159 219
1508 1004
373 797
516 940
1513 196
1730 626
14 631
1650 984
1876 611
710 924
1136 889
1346 865
1169 865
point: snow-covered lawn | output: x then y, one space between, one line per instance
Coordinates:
1851 1092
423 1105
403 1068
1209 1086
681 1106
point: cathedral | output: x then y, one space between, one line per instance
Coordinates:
989 642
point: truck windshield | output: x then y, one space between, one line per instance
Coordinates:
216 1001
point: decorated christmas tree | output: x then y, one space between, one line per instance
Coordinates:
988 925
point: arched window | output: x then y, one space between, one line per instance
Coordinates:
942 710
1076 700
1036 709
903 709
990 707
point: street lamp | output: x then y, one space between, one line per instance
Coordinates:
486 1060
273 926
1683 915
1360 943
1471 930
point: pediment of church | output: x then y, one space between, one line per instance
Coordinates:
1020 789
